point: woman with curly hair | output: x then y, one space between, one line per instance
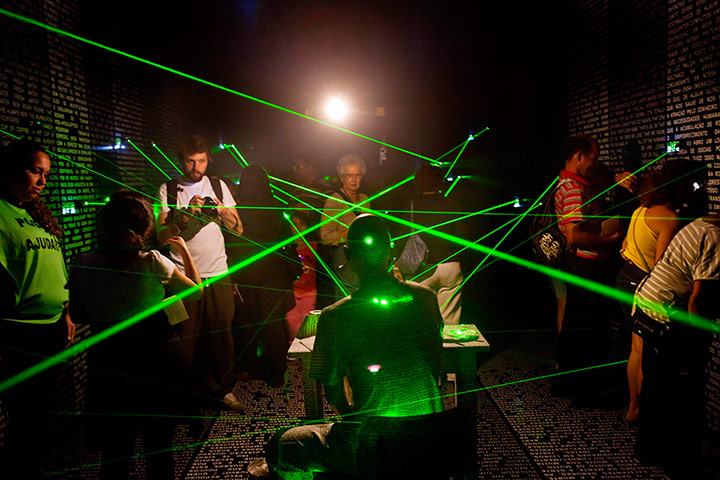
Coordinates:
34 323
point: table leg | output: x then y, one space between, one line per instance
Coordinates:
313 393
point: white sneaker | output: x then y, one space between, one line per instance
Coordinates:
231 402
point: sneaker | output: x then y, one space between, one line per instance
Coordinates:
231 402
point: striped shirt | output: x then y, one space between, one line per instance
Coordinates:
568 200
693 254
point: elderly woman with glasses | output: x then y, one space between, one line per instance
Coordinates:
350 169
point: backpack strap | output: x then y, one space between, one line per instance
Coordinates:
355 212
217 187
172 189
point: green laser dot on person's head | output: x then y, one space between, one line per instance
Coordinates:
368 240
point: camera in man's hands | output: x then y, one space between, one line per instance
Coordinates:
210 207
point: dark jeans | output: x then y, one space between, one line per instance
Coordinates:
672 398
207 338
30 404
585 337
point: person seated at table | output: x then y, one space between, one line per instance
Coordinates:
385 340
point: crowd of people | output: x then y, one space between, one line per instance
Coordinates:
244 298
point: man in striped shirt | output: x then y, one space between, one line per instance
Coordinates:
672 403
584 336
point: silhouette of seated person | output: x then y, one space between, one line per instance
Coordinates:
377 354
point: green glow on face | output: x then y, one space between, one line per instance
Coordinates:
480 212
452 185
200 80
368 240
457 158
167 158
149 159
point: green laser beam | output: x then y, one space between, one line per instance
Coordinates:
167 158
232 154
461 144
462 249
86 167
442 224
280 200
237 152
306 204
346 416
614 185
447 175
517 222
84 344
614 207
610 292
91 152
332 275
148 158
452 185
200 80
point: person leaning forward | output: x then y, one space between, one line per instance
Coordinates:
200 224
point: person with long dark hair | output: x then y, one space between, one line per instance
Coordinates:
266 285
138 378
34 323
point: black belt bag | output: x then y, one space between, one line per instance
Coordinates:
649 329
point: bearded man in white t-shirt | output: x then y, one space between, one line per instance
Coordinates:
198 208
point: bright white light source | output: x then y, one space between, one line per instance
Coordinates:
696 186
336 109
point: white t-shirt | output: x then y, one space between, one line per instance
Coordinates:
106 295
207 247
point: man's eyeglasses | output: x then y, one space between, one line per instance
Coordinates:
351 176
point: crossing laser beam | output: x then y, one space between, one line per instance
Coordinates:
87 41
167 158
148 158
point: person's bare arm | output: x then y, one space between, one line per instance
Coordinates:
191 278
166 228
703 299
663 221
230 218
579 238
